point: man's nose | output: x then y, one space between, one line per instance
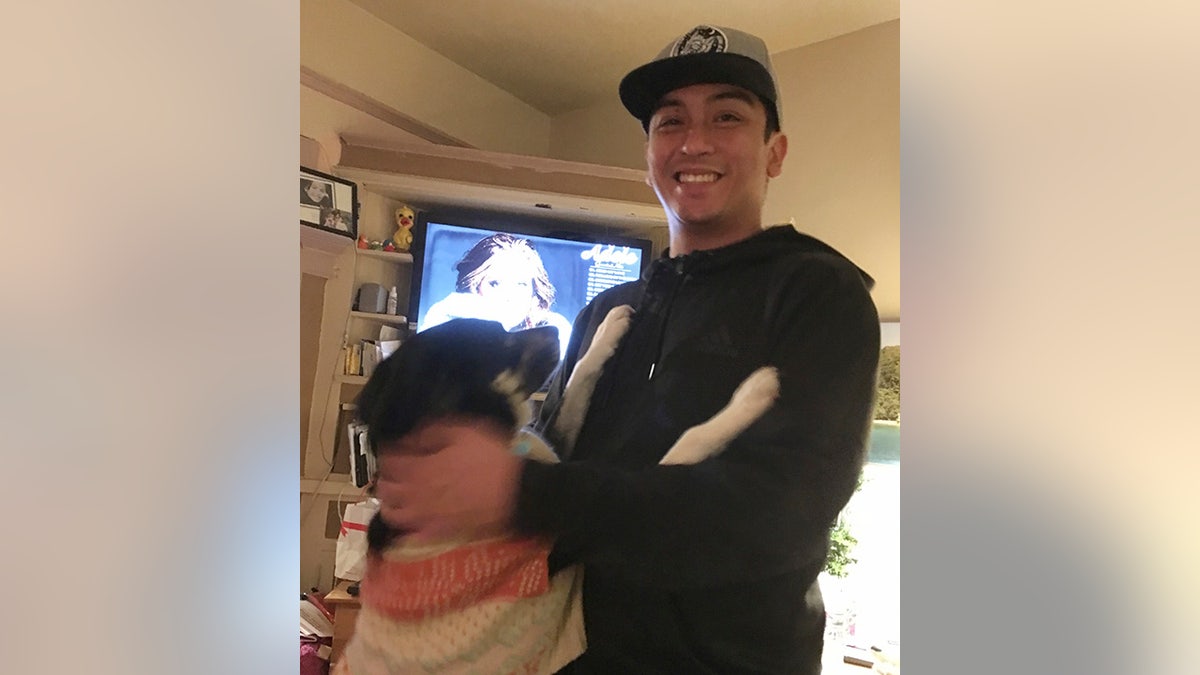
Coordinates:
696 141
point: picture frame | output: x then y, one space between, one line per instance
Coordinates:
328 203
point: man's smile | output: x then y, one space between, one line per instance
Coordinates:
707 177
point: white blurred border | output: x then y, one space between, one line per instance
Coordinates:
1049 236
149 284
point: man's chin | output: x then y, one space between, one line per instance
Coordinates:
699 220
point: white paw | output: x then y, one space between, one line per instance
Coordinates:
759 391
692 448
752 398
583 378
612 329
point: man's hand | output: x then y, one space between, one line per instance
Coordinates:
452 478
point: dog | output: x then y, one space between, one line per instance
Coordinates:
490 605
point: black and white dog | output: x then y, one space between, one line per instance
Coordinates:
490 606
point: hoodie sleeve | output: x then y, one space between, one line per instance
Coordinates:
763 507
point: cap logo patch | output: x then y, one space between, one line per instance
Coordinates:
700 40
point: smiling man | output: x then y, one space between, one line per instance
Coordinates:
710 109
711 567
709 164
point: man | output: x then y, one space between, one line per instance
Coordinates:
712 567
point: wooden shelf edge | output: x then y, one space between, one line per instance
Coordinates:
321 240
336 484
395 319
393 256
426 193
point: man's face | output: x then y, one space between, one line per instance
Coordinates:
706 157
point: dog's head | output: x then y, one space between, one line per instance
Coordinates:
461 368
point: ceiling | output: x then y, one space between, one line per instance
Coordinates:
562 55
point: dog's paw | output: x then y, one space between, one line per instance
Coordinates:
615 323
611 330
757 392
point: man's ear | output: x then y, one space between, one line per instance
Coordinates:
646 156
776 152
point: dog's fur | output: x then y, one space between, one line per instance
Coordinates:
511 621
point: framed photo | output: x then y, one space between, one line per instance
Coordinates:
328 203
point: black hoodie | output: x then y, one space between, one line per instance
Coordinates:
712 567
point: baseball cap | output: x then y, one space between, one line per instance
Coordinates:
703 55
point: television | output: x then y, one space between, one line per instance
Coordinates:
514 270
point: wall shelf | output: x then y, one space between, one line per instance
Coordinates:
391 256
393 319
603 198
323 240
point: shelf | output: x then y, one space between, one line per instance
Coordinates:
427 176
352 379
391 256
323 240
394 319
336 485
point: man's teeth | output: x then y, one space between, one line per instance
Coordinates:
697 177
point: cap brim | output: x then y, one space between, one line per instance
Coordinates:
643 87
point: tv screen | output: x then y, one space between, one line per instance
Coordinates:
521 280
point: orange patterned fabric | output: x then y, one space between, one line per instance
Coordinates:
410 590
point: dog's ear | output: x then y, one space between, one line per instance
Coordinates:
533 354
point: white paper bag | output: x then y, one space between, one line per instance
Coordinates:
351 557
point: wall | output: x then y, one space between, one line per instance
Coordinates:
602 134
347 45
326 287
312 302
841 180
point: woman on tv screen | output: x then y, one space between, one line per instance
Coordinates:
502 278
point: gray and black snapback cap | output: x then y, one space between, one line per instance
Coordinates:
703 55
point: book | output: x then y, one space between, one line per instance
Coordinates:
313 621
362 463
315 598
372 354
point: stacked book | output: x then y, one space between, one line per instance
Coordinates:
315 620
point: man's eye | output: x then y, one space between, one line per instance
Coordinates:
669 121
728 117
